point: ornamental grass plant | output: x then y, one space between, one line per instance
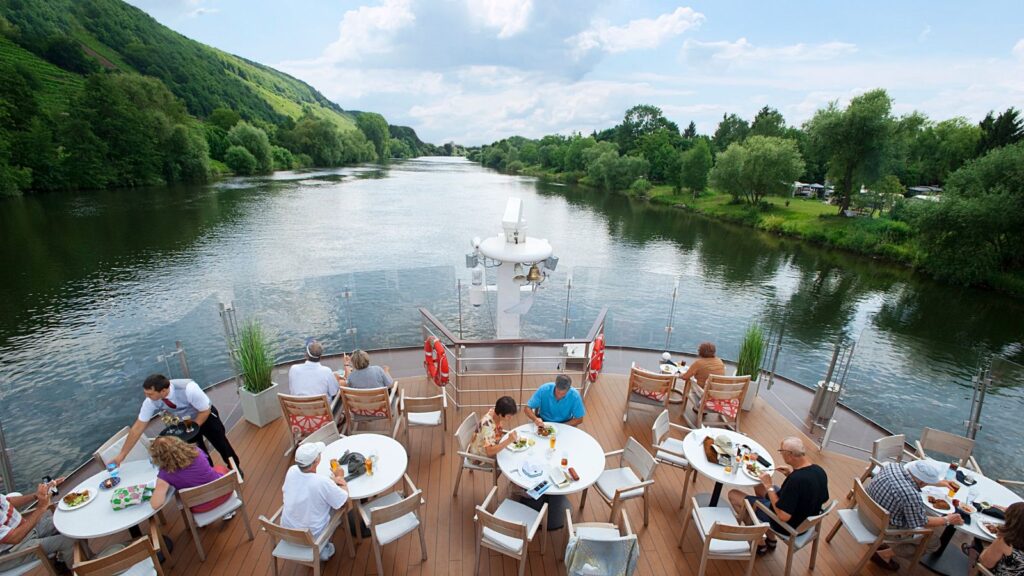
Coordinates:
751 352
254 358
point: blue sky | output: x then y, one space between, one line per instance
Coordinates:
474 71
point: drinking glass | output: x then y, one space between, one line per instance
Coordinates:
953 489
551 441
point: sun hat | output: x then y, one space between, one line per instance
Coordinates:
306 454
924 471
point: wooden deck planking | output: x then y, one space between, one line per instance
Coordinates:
450 532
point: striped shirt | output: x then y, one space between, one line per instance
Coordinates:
9 520
895 490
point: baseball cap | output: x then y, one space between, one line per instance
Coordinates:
924 471
306 454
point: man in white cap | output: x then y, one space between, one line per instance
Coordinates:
897 488
311 378
310 498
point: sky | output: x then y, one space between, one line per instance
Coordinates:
476 71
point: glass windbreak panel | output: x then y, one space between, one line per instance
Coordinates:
78 378
999 440
639 305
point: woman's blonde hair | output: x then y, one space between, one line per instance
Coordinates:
360 360
171 454
706 350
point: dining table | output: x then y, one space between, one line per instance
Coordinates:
693 450
388 468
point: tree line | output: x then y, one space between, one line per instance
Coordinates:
870 156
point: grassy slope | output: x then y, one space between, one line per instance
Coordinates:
55 85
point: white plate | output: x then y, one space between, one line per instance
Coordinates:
62 506
924 497
529 444
560 477
668 368
756 476
982 520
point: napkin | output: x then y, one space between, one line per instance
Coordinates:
991 511
131 495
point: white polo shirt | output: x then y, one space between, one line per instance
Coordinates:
185 400
312 379
309 499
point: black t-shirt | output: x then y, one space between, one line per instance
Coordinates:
803 494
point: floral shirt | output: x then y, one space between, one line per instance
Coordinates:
486 434
1010 565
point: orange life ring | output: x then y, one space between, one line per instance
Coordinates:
596 358
428 358
441 377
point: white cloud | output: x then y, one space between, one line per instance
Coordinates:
1018 50
510 17
644 33
369 30
923 36
743 51
202 11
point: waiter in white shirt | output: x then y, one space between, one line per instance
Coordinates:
185 399
311 378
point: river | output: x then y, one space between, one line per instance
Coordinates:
99 285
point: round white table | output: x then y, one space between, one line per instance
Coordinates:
986 490
98 518
388 470
584 454
693 449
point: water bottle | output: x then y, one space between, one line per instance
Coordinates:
113 470
951 472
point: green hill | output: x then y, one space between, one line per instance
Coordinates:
121 37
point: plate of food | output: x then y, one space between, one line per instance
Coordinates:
77 499
937 503
560 477
525 442
545 430
110 483
989 528
754 469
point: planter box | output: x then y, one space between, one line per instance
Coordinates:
260 409
752 390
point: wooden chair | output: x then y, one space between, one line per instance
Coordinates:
471 462
885 449
669 451
631 480
139 557
299 546
722 536
229 483
418 412
868 523
948 444
25 561
392 516
304 415
365 406
112 447
594 537
327 433
724 389
808 532
508 530
979 570
647 389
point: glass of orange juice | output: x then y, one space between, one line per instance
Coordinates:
551 441
369 465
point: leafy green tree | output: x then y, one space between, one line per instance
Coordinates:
613 172
67 53
691 131
663 157
768 122
283 158
240 160
529 153
399 149
731 129
695 166
216 140
225 118
639 121
857 141
1006 129
375 128
760 166
573 160
188 158
256 142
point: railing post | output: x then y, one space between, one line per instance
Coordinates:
565 320
458 287
182 359
6 472
981 382
671 314
230 322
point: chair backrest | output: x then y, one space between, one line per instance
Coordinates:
726 387
889 448
639 459
650 384
327 433
733 533
363 403
608 555
139 551
464 433
226 484
815 521
304 415
508 528
946 443
422 405
873 516
660 429
290 535
112 447
384 514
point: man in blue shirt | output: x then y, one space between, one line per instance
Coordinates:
556 402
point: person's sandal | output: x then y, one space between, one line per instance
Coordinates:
891 565
766 547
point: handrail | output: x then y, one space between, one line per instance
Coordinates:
591 335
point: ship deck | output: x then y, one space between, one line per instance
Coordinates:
450 534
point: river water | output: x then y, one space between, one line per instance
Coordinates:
99 285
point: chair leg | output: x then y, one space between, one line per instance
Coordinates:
522 564
376 554
814 551
647 507
686 524
686 489
832 533
245 519
273 564
195 537
476 562
423 543
583 499
864 561
444 439
458 479
616 509
790 549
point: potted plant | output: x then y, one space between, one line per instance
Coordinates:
749 361
258 393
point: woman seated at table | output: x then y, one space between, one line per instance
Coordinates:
1005 556
182 465
487 437
365 376
704 366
